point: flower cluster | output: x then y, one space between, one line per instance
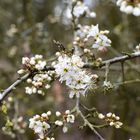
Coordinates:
81 9
39 83
64 119
41 80
31 64
91 36
68 68
107 85
75 10
41 124
130 6
111 119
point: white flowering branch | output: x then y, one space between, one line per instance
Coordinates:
17 82
89 65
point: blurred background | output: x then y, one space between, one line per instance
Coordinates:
28 27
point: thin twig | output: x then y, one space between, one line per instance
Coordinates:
73 17
114 60
123 73
107 71
88 109
86 122
127 82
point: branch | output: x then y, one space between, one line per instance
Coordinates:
16 83
114 60
9 89
86 122
127 82
89 65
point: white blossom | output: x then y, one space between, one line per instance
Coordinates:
81 9
65 129
58 113
59 123
69 69
67 112
111 119
49 113
38 83
91 36
107 85
136 11
21 71
28 90
137 50
64 119
44 115
101 116
40 124
25 60
70 118
129 7
109 114
35 62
